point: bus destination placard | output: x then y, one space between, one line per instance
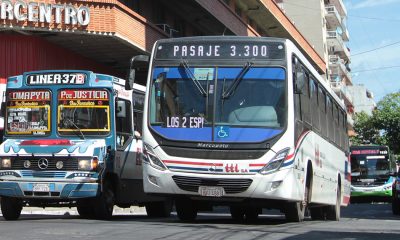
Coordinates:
365 151
221 50
83 97
56 78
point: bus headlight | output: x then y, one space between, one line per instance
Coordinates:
150 157
275 162
6 163
88 164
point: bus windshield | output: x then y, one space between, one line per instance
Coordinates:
28 112
369 167
186 98
85 112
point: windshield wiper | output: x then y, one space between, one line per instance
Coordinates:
68 122
191 76
237 80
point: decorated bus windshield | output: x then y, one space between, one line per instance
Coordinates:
223 104
28 112
83 112
369 164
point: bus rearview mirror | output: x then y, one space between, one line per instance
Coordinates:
137 62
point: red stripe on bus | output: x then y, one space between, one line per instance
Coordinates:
49 142
346 199
257 164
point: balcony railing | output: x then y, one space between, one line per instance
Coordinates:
340 7
335 40
340 89
336 36
337 67
333 17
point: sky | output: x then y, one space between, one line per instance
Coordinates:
374 29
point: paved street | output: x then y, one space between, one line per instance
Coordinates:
359 221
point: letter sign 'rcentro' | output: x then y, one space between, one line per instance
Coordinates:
44 12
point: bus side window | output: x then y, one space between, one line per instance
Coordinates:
305 100
123 122
322 111
138 101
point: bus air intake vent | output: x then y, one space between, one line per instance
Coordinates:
192 184
232 154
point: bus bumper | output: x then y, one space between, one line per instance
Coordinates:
280 185
56 190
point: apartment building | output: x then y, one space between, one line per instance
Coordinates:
323 24
363 99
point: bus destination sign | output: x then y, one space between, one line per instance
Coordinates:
56 78
221 50
365 151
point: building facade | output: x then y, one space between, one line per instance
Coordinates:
323 24
363 99
102 35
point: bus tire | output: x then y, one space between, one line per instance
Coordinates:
395 204
294 211
11 208
185 209
159 209
85 208
333 212
237 213
104 204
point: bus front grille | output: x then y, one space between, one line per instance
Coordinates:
192 184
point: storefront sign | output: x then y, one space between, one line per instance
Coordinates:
44 12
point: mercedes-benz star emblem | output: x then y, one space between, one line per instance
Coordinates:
43 163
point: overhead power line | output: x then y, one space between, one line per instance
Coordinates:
374 69
375 18
375 49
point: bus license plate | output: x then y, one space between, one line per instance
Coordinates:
41 187
211 191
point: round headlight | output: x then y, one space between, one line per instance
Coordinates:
27 164
59 165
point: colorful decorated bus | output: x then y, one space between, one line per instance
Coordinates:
373 171
246 123
73 138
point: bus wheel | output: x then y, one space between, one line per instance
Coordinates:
11 208
333 212
104 204
185 209
395 204
159 209
85 208
237 213
317 213
294 211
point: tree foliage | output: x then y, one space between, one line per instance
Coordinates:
383 127
366 132
387 120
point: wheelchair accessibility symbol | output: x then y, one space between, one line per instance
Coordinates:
222 132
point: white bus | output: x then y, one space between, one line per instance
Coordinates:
246 123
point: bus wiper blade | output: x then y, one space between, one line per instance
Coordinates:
191 76
69 122
237 80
